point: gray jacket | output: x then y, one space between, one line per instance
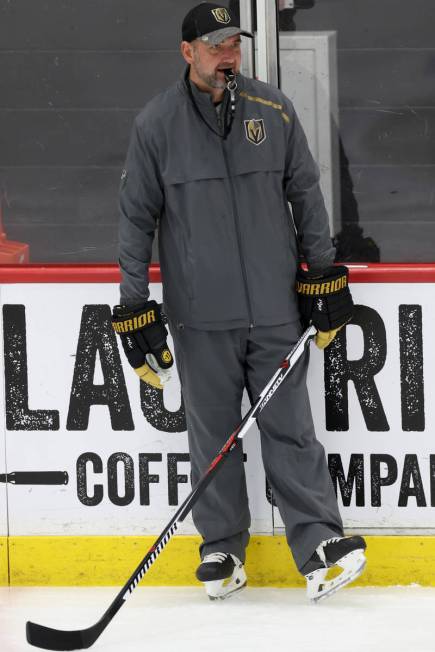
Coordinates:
228 251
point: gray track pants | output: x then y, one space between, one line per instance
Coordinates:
214 368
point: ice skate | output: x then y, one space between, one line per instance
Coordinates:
346 553
223 575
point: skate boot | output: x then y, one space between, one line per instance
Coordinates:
223 575
346 553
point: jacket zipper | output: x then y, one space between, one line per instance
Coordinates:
221 127
239 238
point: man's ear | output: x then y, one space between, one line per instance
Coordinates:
186 49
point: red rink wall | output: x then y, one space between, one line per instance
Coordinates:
97 273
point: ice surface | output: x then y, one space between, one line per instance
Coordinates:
183 620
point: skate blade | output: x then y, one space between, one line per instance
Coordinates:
229 594
353 565
222 589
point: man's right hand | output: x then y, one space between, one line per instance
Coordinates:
325 301
143 336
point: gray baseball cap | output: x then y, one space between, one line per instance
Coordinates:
211 23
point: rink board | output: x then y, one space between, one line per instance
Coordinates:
109 561
73 406
4 561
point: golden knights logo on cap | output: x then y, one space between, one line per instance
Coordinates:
221 15
255 131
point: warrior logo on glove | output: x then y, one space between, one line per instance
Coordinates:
135 322
166 356
325 301
143 336
325 287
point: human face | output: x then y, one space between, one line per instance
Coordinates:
207 62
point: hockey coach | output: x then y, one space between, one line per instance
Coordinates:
213 163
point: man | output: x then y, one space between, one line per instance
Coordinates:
214 161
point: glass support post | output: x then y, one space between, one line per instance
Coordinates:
267 42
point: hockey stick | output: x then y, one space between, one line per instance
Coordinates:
55 639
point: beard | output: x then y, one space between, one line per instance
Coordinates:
211 79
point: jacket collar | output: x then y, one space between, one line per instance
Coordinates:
203 105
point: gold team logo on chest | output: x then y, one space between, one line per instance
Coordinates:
255 131
221 15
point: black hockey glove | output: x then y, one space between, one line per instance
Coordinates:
325 301
143 336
